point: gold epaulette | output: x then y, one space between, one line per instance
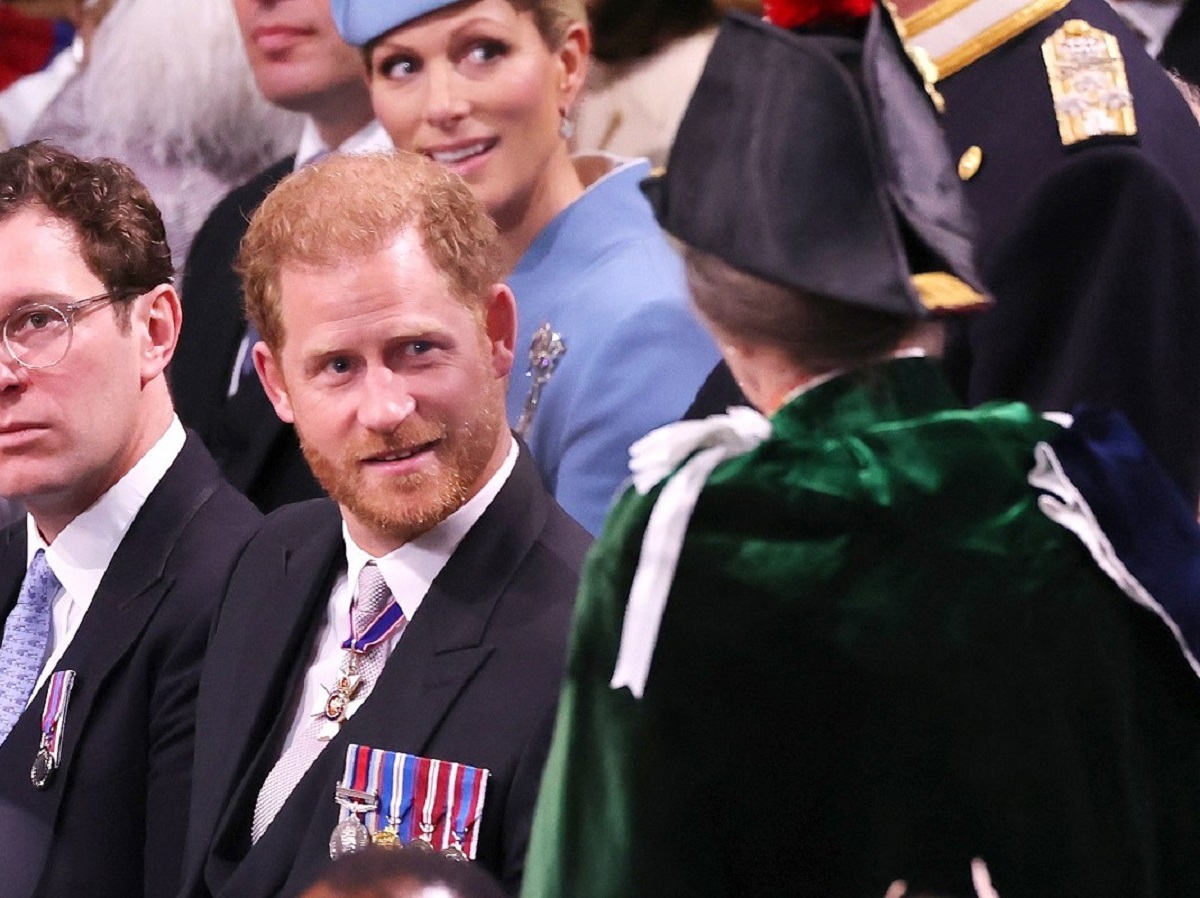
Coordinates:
1088 83
942 292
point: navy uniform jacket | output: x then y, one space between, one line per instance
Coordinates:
1091 251
111 824
474 679
257 452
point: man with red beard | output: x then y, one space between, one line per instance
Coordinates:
386 665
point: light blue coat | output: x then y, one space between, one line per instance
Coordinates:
604 277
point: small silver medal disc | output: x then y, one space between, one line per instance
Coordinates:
43 769
348 837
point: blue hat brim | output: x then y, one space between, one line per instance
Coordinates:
361 21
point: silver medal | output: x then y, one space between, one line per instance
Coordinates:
43 769
348 837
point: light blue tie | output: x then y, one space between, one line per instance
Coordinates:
26 634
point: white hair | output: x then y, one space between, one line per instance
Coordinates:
175 74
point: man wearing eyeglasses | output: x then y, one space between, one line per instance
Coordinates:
108 588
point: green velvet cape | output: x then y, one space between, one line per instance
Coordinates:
878 661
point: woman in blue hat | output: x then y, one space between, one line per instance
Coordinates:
486 87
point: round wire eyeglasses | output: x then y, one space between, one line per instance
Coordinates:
39 334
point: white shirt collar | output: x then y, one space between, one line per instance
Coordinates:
82 552
411 569
369 139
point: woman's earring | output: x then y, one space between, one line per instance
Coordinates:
566 127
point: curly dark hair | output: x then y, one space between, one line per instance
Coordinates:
120 230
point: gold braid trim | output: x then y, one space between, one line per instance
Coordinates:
942 292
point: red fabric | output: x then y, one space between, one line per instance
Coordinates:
25 44
806 13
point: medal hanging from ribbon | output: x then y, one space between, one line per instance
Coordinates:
346 687
376 631
414 803
54 719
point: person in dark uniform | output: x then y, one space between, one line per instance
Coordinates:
1087 193
1088 220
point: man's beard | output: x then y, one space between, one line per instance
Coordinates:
410 504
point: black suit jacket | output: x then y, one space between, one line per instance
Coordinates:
257 452
474 679
1091 251
112 822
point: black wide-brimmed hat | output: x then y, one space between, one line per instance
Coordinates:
816 161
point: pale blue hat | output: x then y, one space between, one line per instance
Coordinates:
361 21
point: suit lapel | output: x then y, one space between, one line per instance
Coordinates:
212 304
265 646
132 588
445 644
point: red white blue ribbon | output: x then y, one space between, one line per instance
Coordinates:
440 802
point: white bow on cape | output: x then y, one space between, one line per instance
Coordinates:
652 459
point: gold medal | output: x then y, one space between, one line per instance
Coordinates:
386 838
341 695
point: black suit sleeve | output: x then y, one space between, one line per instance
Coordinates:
518 813
169 778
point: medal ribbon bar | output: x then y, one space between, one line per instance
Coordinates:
377 631
422 801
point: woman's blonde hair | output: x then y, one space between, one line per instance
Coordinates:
553 17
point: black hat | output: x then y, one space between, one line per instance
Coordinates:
816 161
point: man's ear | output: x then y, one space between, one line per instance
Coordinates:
156 318
271 375
500 323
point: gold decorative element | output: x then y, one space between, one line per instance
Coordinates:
939 291
969 162
984 42
387 838
934 14
1088 83
918 57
